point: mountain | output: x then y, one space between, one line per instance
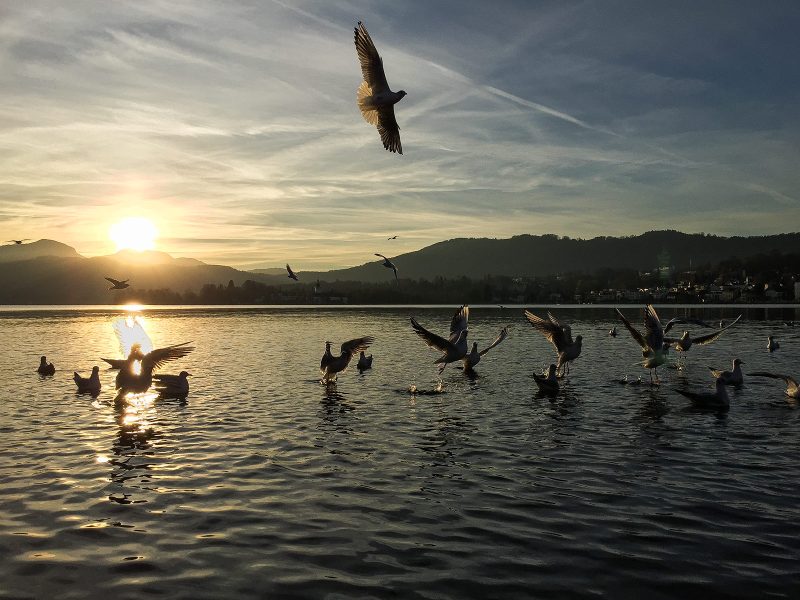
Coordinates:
532 255
272 271
17 252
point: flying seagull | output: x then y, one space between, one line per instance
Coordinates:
375 100
388 264
548 384
717 400
560 335
792 388
654 347
685 342
681 320
453 348
172 386
292 274
331 365
732 377
45 368
117 285
128 380
474 357
88 385
394 237
18 242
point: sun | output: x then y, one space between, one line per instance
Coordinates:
134 233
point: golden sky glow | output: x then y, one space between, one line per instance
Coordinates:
133 233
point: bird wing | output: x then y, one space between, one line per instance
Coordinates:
695 396
289 270
128 335
786 378
503 335
168 379
550 330
715 373
116 363
652 324
357 345
371 63
382 256
633 331
566 329
681 320
389 130
707 339
459 323
434 341
114 281
157 358
394 269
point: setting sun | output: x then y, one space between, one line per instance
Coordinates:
134 233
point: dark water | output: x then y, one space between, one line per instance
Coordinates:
265 484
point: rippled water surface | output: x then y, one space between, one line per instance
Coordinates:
264 483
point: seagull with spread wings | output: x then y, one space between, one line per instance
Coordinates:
18 242
684 320
292 274
388 264
375 100
331 365
792 387
654 347
453 348
128 380
474 357
560 335
116 284
685 342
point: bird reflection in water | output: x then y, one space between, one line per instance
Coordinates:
130 469
333 402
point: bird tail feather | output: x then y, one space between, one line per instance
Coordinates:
368 111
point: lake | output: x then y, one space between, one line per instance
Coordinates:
265 483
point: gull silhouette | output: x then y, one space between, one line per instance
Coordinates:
117 285
388 264
292 274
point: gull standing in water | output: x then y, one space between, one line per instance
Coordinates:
375 100
129 380
455 347
474 357
560 335
331 365
364 362
792 388
88 385
685 342
717 400
292 274
116 284
548 384
654 348
732 377
613 331
772 344
173 386
45 368
388 264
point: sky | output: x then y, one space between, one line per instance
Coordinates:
233 125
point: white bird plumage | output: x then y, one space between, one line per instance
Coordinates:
453 348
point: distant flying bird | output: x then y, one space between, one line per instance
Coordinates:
292 274
18 242
548 384
654 347
685 342
792 388
88 385
375 100
474 357
716 400
364 362
388 264
331 365
560 335
172 386
128 380
117 285
732 377
772 344
394 237
453 348
681 320
45 368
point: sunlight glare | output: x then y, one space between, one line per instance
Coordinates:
134 233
